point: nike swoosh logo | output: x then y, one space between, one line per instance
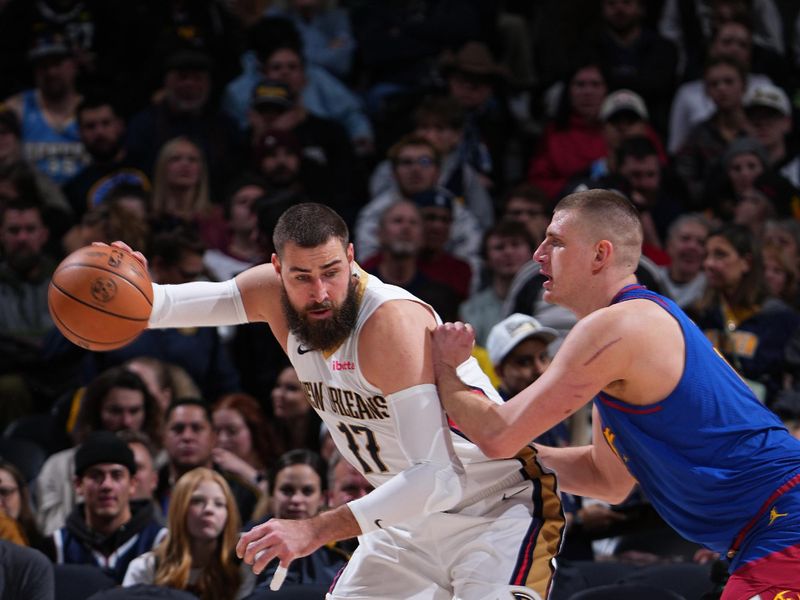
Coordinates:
378 523
301 350
507 496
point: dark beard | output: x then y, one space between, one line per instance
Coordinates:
105 152
328 333
23 262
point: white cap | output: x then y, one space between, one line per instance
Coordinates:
768 96
511 331
623 100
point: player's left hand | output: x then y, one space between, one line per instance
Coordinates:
452 343
277 538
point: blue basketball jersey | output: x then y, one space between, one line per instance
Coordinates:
709 455
58 154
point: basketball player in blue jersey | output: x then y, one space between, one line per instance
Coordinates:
444 521
669 413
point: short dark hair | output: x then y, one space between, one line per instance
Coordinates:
96 100
507 228
412 139
21 204
638 147
309 225
199 402
529 192
244 180
299 457
729 61
137 437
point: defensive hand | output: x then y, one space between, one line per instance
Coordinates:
452 343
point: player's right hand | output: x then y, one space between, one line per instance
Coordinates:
452 343
123 246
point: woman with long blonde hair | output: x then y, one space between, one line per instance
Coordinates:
198 554
181 193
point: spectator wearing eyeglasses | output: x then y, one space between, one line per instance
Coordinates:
17 521
416 167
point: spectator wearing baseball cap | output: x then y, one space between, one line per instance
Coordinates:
47 112
107 529
270 102
624 115
770 113
518 347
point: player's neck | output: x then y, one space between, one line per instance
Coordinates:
601 296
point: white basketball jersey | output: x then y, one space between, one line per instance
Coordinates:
360 417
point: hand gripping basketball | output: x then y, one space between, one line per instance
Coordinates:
101 297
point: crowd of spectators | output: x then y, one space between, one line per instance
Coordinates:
443 132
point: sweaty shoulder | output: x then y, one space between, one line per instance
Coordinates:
394 346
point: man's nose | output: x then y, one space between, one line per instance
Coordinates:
319 291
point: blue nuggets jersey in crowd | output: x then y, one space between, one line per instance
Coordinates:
709 455
58 154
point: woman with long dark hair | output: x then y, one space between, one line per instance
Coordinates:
750 328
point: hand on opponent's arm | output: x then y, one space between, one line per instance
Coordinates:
473 413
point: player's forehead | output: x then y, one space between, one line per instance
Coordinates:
317 258
565 223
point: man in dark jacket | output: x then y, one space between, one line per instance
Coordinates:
107 529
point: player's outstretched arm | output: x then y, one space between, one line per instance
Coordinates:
594 354
251 297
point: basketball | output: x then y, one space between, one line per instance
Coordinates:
100 297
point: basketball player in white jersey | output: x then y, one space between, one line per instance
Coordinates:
444 520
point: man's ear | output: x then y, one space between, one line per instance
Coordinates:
78 485
603 251
351 253
276 263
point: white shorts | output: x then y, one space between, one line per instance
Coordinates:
500 547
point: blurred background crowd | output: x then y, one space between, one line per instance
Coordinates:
443 132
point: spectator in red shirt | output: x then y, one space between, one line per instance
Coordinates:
574 139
